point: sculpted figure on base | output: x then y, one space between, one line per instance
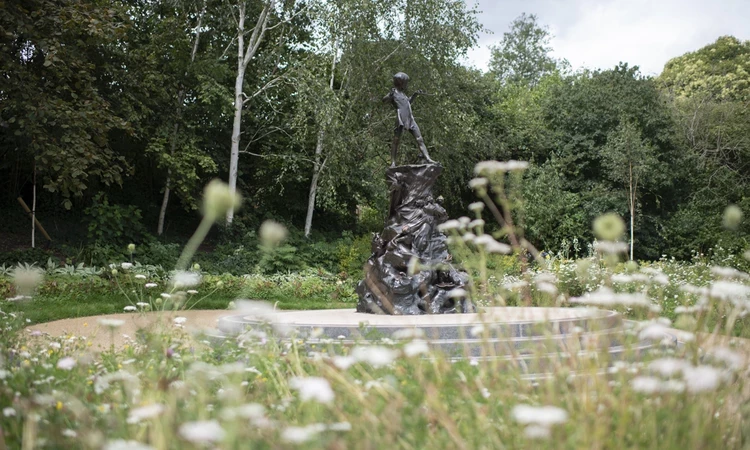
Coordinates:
410 270
404 117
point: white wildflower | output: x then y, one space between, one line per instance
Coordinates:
129 308
9 412
610 247
180 320
55 345
457 293
165 296
343 362
416 347
653 331
727 356
701 378
540 415
468 237
374 355
121 444
184 278
142 304
126 266
476 207
313 388
477 330
621 278
729 290
26 279
192 291
493 246
449 225
272 233
729 272
150 285
66 363
340 426
111 323
537 432
408 333
298 435
476 183
203 431
668 367
646 385
547 288
145 412
69 433
476 223
140 276
606 297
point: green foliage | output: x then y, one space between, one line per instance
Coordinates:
114 224
35 256
523 55
352 255
278 259
158 254
721 70
54 112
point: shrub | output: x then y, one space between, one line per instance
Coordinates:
114 224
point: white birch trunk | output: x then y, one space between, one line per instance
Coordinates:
243 58
632 210
317 166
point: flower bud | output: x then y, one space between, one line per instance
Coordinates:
272 233
609 227
732 217
218 199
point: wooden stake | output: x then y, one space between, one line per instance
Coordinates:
36 221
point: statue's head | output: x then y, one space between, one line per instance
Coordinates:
401 80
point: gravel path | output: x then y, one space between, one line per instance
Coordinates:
101 338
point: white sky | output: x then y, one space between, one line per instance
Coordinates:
598 34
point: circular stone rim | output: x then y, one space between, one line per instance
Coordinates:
490 315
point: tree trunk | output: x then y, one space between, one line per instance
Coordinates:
314 184
243 58
173 146
164 203
237 124
632 210
317 166
33 211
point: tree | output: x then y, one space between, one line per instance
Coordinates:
360 45
630 160
708 92
523 56
54 55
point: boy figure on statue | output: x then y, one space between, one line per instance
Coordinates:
404 116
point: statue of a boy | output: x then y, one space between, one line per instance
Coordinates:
404 117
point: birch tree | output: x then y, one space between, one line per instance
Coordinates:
630 160
249 41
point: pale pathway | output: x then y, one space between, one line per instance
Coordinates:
101 337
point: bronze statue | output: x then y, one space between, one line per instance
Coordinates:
404 117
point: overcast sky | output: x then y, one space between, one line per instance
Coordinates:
601 33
